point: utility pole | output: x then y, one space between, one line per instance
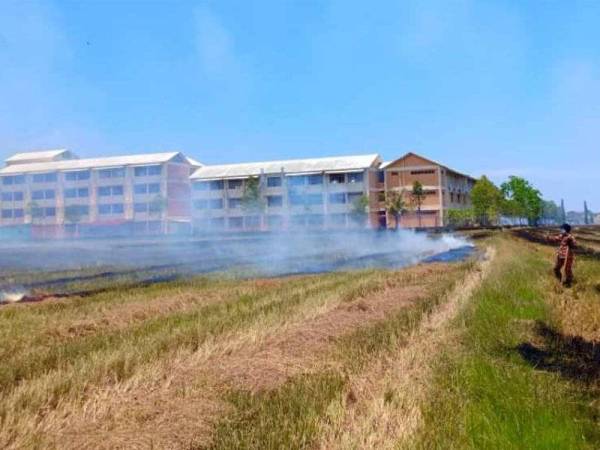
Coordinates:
563 214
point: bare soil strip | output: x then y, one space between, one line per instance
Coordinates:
383 405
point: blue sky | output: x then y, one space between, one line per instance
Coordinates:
487 87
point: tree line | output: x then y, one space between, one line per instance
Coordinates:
516 199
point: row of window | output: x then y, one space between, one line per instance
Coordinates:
276 181
275 201
16 196
275 221
103 191
79 175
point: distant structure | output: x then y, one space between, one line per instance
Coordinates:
55 194
587 219
563 213
58 195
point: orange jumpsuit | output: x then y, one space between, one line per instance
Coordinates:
565 256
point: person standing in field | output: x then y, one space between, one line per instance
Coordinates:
565 255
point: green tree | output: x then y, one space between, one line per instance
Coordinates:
417 196
396 206
551 212
156 207
526 197
34 210
487 201
252 201
73 216
359 210
459 217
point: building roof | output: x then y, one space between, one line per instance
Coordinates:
386 164
297 166
90 163
40 156
193 162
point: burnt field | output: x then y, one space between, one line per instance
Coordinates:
147 344
35 270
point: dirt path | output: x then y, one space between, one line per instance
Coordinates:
383 407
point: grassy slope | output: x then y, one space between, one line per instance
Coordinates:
487 395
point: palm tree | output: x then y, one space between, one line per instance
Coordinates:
252 201
359 210
417 196
396 206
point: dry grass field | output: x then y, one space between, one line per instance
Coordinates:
486 353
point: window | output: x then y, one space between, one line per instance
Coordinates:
337 198
140 188
216 185
18 196
234 202
115 208
118 172
275 221
235 222
296 199
337 178
315 179
77 210
314 199
252 221
7 196
140 207
105 191
274 201
217 222
215 203
338 219
381 196
50 212
234 184
274 181
153 188
147 171
41 195
380 176
451 197
74 192
297 180
77 175
7 213
15 179
354 196
315 219
200 204
18 213
201 186
44 177
356 177
422 172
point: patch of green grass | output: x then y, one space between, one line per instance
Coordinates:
485 394
285 418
